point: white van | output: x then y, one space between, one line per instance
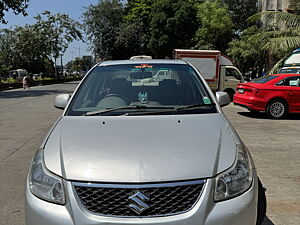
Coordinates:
19 73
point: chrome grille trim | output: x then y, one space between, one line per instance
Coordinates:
140 187
137 186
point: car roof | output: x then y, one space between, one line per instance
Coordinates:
149 61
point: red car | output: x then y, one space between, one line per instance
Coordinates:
276 95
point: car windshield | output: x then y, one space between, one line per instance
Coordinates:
141 89
263 80
290 70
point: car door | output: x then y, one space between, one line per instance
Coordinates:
292 86
232 77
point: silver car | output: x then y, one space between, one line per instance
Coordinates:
143 142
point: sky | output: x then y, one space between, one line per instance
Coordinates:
74 8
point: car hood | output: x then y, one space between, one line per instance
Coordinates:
140 148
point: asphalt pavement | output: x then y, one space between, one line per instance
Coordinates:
25 118
27 115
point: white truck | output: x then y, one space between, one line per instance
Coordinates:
216 68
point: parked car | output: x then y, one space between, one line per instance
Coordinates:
17 74
134 148
276 95
36 76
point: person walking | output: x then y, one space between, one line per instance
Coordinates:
25 82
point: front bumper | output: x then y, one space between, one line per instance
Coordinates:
236 211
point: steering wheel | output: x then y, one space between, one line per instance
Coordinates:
117 96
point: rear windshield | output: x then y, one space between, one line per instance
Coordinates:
263 80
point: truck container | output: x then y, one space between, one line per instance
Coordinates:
217 69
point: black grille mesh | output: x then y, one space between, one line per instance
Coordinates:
115 201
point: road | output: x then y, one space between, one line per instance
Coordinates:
27 115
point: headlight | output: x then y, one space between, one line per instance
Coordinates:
43 184
237 179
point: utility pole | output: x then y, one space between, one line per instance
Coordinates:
62 66
78 50
72 60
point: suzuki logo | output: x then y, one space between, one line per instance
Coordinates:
138 204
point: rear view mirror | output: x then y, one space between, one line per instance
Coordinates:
140 75
61 101
223 98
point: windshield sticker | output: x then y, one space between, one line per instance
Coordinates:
206 100
143 97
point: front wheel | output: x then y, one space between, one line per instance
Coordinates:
277 109
261 204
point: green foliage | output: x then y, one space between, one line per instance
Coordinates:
240 11
245 51
102 22
79 64
17 49
31 47
215 30
17 6
59 30
281 31
173 24
134 32
7 40
139 10
132 39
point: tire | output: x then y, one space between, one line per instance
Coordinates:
230 93
261 204
277 109
253 111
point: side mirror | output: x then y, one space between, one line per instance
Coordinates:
223 98
61 101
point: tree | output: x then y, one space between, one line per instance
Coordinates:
7 38
80 64
32 46
173 24
215 30
240 11
17 51
133 35
102 23
282 33
245 52
17 6
139 10
58 30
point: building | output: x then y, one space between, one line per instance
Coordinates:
275 5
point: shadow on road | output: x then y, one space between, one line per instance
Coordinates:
21 93
267 221
258 115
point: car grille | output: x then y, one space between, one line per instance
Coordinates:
139 200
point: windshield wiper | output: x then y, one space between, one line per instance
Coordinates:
173 110
133 107
195 106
